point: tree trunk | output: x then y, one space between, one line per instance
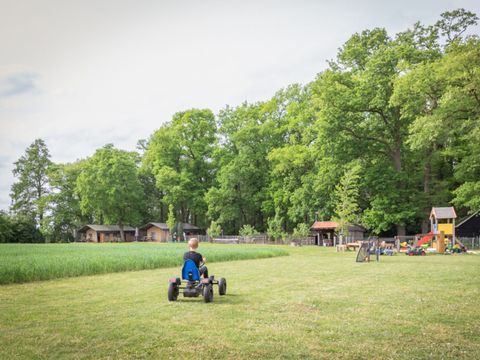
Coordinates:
397 159
397 163
122 233
426 190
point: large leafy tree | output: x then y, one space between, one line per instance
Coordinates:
180 157
64 215
441 98
361 117
247 133
293 160
32 182
109 187
354 97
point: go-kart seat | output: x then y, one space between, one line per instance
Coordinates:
190 271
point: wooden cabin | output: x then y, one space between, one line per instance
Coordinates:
156 232
160 232
326 233
105 233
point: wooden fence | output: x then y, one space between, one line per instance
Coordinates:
237 239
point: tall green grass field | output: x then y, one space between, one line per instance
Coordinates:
21 263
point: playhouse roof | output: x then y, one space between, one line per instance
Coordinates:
443 213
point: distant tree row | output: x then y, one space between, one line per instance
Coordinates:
389 130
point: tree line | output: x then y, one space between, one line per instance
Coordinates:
388 130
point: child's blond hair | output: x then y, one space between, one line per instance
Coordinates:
193 243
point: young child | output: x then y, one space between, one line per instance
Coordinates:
197 258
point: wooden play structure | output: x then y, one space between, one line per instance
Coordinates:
442 224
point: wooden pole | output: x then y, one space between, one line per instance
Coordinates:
441 243
453 232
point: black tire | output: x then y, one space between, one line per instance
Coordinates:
172 292
222 286
208 293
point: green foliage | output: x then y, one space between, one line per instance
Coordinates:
247 230
179 155
404 106
301 231
454 23
63 215
346 196
109 188
214 230
275 229
6 228
171 219
32 181
26 263
24 230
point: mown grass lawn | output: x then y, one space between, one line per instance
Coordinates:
312 304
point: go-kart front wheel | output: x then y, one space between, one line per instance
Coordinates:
208 293
172 292
222 286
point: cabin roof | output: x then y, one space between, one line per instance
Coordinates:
106 228
467 219
163 226
332 225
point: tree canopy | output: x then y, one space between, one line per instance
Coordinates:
387 131
109 188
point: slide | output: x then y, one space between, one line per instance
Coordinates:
425 239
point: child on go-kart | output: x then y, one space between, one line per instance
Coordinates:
196 257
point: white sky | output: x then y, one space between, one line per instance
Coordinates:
84 73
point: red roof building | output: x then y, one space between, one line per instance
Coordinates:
326 233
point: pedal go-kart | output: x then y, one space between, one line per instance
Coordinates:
191 285
412 251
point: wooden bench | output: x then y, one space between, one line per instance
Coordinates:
352 246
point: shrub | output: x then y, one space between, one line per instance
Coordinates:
214 230
301 231
247 230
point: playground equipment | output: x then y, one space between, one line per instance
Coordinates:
363 255
418 250
442 220
425 239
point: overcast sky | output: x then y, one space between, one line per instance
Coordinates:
84 73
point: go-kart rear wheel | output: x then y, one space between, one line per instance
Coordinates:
222 286
172 292
208 293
